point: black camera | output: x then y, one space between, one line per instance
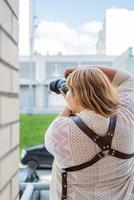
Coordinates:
58 84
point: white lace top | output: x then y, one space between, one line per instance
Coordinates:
110 178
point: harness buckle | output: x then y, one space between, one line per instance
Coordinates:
106 152
106 149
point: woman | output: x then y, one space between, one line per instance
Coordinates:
95 96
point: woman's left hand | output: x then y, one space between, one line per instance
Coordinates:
62 93
65 112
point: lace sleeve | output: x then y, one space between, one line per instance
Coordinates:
57 141
121 77
125 91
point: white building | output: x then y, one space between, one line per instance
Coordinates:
35 96
37 71
125 61
101 43
118 32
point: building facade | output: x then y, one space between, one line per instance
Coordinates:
38 71
125 61
9 100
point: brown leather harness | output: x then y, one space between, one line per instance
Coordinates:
104 143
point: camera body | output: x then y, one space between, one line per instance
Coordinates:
58 84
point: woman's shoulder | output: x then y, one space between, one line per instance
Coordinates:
61 121
124 81
122 77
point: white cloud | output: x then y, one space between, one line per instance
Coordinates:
54 37
92 27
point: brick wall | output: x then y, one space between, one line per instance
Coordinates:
9 102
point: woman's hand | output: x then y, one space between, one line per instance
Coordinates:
66 111
68 71
62 93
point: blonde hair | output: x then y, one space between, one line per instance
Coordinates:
93 91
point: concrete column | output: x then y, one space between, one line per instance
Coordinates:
39 98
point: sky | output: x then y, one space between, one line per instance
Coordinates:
69 26
76 12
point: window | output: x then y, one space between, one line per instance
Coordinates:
56 70
27 70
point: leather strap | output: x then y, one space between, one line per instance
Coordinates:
104 142
120 155
64 186
100 141
112 125
76 168
86 164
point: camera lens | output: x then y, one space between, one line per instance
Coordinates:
55 85
64 87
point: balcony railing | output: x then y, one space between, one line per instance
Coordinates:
32 191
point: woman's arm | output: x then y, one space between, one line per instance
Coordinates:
116 76
109 72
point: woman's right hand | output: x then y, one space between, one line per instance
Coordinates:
68 71
66 111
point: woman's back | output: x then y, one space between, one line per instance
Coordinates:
110 178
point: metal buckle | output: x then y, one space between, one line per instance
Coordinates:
106 152
106 149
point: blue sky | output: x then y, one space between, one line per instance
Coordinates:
75 12
67 26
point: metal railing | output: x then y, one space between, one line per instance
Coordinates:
32 190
